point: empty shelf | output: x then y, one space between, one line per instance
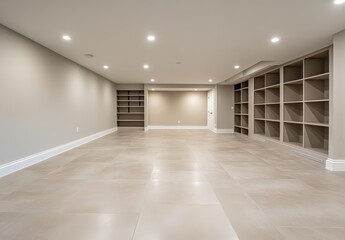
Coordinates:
272 78
272 95
293 91
259 127
316 65
316 89
259 82
293 133
273 130
293 112
259 96
273 112
293 71
259 111
316 138
316 112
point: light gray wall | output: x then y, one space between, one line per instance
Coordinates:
225 100
44 97
337 100
166 108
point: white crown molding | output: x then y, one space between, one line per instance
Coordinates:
22 163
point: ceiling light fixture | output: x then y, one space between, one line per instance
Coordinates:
151 38
152 89
236 66
338 2
152 80
210 80
275 39
195 89
105 66
66 38
146 66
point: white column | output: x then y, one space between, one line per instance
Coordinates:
336 161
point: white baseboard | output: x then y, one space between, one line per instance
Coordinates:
22 163
216 130
335 165
156 127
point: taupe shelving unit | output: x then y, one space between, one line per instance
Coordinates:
291 104
130 108
306 102
241 108
267 105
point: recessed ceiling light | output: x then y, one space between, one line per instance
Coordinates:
146 66
152 89
66 38
275 39
236 66
339 2
152 80
105 66
210 80
195 89
151 38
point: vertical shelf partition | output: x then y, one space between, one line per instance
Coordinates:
130 108
241 108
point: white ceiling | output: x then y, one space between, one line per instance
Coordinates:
208 36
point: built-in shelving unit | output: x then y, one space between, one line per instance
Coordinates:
267 104
306 102
241 108
291 104
130 108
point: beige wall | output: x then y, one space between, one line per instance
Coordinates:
225 102
166 108
44 97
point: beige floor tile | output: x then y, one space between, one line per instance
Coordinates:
172 222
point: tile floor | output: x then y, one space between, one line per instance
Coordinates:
173 185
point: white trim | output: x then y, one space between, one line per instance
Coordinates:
335 165
176 127
216 130
22 163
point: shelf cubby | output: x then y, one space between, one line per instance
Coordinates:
293 112
316 65
244 131
238 97
259 127
316 89
293 91
293 133
238 108
316 138
244 121
273 95
245 108
237 130
237 120
245 95
237 86
272 78
244 84
259 96
273 111
259 111
293 71
316 112
259 82
273 130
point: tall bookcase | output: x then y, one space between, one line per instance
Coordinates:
130 108
291 104
241 108
267 105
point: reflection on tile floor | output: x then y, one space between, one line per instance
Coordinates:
173 185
